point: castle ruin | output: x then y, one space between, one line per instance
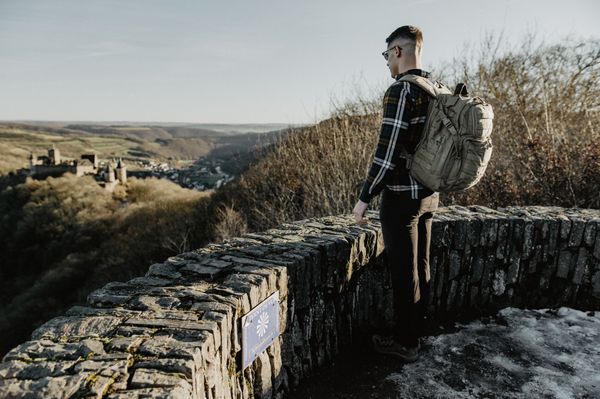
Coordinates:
105 173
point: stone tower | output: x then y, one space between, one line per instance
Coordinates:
110 174
54 155
121 172
31 164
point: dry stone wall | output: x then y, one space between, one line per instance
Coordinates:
175 333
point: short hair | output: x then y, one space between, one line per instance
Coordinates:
410 33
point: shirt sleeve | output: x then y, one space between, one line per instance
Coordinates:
397 113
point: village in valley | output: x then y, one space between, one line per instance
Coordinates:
201 175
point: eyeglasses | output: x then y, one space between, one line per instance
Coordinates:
386 53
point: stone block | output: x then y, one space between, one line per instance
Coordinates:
256 287
441 281
124 344
596 284
275 358
177 392
202 271
143 378
488 270
516 230
451 294
551 244
489 232
263 388
528 239
149 282
513 269
461 291
564 264
590 232
576 234
534 260
167 347
455 264
473 296
565 230
26 370
542 229
433 265
580 266
47 387
72 326
266 272
499 282
503 244
477 268
163 270
460 233
42 349
474 231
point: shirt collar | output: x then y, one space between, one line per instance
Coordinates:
415 71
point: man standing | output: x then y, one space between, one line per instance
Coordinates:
407 206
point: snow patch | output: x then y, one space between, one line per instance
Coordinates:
527 353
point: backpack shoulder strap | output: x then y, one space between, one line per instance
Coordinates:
433 89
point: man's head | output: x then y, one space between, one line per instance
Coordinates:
404 49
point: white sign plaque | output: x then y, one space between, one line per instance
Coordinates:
260 327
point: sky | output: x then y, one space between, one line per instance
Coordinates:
259 61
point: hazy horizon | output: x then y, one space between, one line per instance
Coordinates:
102 122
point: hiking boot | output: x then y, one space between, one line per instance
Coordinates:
389 346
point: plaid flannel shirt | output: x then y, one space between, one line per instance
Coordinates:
404 113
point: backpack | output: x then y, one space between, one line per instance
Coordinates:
456 145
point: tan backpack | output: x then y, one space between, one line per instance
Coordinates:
456 144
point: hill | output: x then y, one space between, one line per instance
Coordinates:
132 143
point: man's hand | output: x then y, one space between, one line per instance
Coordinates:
359 212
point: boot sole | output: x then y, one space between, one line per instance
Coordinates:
398 355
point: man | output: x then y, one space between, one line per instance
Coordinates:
407 206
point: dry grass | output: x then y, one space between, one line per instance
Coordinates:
546 101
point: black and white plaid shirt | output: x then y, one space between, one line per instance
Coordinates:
404 113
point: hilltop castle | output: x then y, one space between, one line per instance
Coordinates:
51 165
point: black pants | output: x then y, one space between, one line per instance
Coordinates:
406 228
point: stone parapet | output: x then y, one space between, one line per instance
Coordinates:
176 333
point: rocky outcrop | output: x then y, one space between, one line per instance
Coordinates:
176 331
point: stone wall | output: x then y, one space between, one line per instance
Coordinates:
176 331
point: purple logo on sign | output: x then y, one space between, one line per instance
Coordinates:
260 327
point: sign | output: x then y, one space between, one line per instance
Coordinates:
260 327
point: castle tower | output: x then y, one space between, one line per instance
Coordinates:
110 174
121 172
31 164
54 155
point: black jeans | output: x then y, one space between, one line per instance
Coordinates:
406 228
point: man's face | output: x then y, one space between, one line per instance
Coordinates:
394 52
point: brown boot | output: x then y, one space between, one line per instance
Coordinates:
389 346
